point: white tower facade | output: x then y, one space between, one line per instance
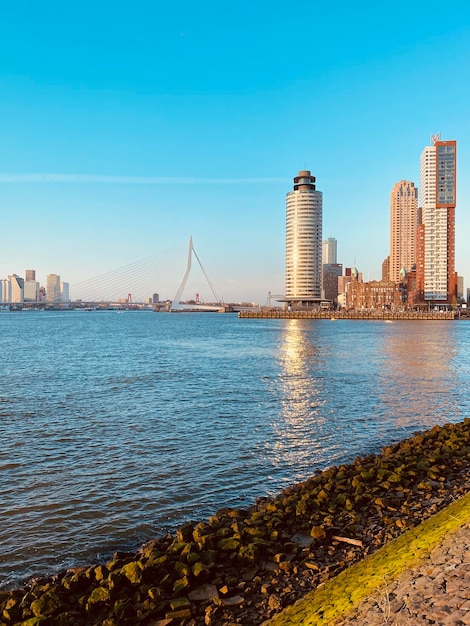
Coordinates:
304 210
438 165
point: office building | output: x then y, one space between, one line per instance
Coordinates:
31 286
435 255
331 269
53 288
331 273
64 292
329 251
304 206
15 289
4 291
31 291
403 223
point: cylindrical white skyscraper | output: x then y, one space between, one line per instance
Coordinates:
304 206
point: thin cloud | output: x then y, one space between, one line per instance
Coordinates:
44 178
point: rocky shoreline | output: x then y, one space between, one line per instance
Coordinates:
244 566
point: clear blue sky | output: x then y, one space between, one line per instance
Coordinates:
128 126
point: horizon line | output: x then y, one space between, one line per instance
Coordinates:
44 178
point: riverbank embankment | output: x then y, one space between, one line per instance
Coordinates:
420 578
245 566
369 314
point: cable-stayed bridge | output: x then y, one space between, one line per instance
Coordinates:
159 274
139 282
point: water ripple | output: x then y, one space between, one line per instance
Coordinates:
117 428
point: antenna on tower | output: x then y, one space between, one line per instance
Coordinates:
435 138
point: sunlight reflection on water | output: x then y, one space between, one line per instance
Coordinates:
116 428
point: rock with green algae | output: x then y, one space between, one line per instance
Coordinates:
33 621
229 544
98 595
181 584
179 603
249 554
46 605
199 569
133 572
182 569
373 499
101 572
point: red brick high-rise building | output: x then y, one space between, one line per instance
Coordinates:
436 278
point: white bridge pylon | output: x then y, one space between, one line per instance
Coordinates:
176 305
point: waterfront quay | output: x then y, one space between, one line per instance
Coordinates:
279 313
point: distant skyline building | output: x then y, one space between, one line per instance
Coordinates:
304 209
386 268
403 224
64 292
15 289
331 269
53 288
331 273
30 275
329 251
436 276
3 290
31 291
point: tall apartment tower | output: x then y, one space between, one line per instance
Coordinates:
436 276
304 207
403 223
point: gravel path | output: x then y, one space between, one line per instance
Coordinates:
435 592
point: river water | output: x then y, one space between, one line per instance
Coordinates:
117 427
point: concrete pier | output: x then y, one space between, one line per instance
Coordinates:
278 313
